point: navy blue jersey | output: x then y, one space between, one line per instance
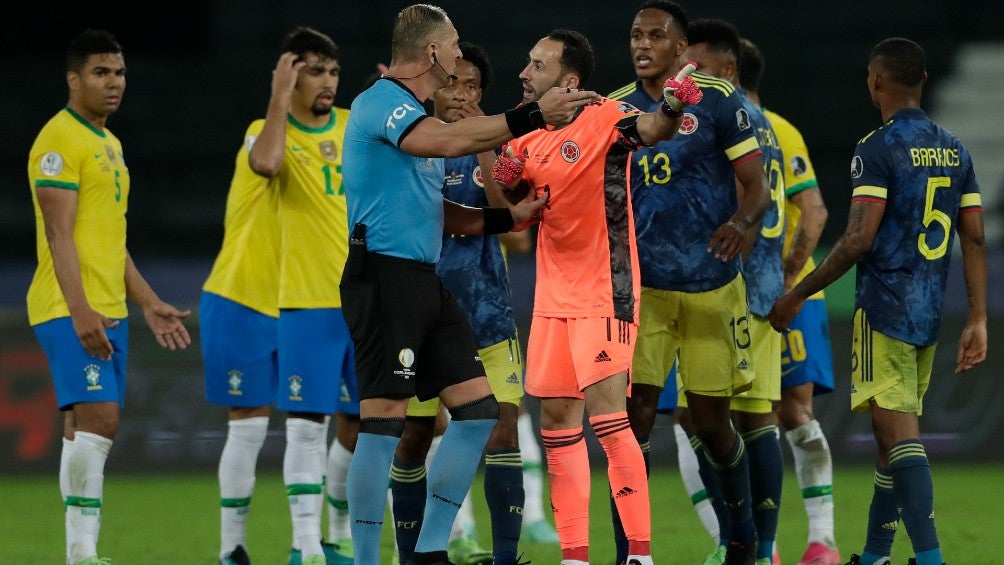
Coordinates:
685 188
395 194
762 270
472 266
924 176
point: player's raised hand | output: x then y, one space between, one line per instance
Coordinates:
681 90
559 105
285 73
508 168
470 110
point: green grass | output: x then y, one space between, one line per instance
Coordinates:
156 519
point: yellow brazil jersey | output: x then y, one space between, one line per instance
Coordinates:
312 215
246 269
70 154
798 176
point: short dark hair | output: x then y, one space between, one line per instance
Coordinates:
90 42
902 59
302 40
720 35
413 27
477 57
751 65
577 53
672 8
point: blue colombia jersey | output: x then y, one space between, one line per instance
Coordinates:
472 266
395 194
924 176
685 188
763 271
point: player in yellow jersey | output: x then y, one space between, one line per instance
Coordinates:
77 299
301 356
806 357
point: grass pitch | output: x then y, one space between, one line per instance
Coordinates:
160 519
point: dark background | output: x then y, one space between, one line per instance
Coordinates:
199 72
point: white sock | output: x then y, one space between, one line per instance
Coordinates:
691 474
814 471
302 473
236 474
64 469
84 489
338 499
533 476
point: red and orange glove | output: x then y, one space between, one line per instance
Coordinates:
508 172
681 91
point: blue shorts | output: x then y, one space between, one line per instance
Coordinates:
77 375
667 400
806 356
240 353
317 372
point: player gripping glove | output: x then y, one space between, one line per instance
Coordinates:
508 172
680 92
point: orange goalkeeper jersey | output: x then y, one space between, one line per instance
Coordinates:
587 256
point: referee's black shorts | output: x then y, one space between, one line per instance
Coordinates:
410 336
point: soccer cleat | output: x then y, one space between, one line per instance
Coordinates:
640 560
856 560
334 554
95 561
239 556
540 531
739 553
430 558
716 557
913 561
764 561
466 551
314 560
818 553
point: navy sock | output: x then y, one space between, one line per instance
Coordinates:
734 478
911 481
766 476
504 495
883 518
367 489
620 538
407 484
709 476
450 476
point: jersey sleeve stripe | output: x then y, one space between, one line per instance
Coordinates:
804 185
408 129
742 149
869 192
56 184
622 91
971 202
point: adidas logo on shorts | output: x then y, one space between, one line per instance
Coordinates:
742 366
602 357
512 379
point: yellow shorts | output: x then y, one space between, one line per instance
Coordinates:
766 355
566 355
893 373
707 331
504 366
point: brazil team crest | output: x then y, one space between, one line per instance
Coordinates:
295 386
234 380
328 150
92 373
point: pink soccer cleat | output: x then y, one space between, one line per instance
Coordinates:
819 553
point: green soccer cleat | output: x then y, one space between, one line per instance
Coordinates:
314 560
716 557
239 556
334 554
540 531
466 551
